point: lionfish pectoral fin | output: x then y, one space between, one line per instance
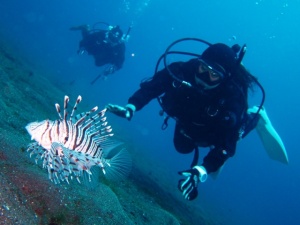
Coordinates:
119 166
61 162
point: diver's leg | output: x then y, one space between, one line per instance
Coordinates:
183 143
85 29
251 121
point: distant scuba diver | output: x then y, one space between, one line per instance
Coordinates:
107 46
208 98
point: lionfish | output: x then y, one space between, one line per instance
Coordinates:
71 146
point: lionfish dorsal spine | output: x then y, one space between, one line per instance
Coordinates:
57 106
79 98
94 109
83 117
66 101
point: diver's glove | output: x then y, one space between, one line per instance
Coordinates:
110 69
188 186
80 51
125 112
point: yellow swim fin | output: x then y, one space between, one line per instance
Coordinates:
269 137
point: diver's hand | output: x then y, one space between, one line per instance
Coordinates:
125 112
110 69
189 186
80 51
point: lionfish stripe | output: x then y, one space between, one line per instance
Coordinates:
75 136
82 136
72 135
46 129
66 129
56 131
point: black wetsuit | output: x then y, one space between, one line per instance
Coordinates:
210 118
104 53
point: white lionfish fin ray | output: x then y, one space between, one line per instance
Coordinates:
119 166
109 144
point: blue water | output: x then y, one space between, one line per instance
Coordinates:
252 189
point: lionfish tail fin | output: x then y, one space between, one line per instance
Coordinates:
119 166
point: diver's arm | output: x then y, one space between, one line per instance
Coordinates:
119 56
148 90
217 156
151 89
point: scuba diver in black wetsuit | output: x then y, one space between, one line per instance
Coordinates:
107 46
208 98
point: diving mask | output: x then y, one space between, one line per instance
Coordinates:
113 35
208 76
